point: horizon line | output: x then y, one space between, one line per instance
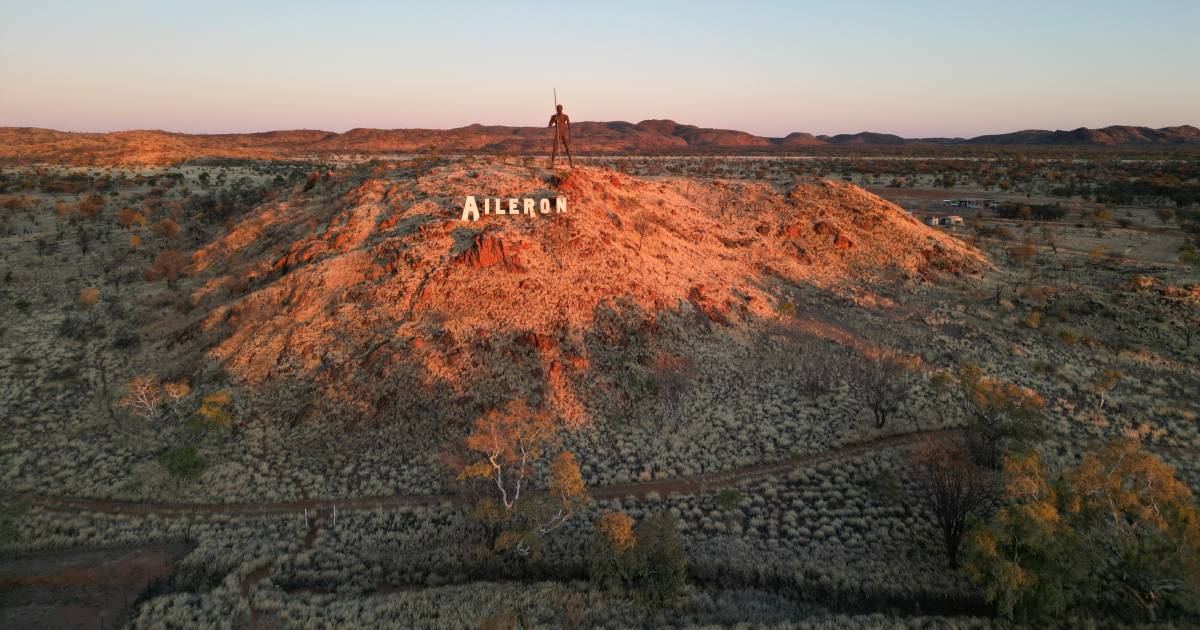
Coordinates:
477 124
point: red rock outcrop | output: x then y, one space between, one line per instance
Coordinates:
393 290
489 250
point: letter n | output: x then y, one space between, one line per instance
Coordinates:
560 204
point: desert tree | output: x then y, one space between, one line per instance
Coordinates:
1049 238
1002 414
881 381
83 239
152 203
165 229
1068 268
661 562
509 444
1020 556
1165 214
1140 525
128 217
672 377
312 180
953 488
1025 255
150 399
1182 313
1118 533
1191 324
88 298
612 561
143 397
169 265
214 409
642 226
174 393
647 561
1104 383
1099 219
91 206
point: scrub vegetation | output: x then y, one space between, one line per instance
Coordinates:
717 390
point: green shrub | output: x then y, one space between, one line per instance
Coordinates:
1117 533
662 564
648 562
886 489
728 499
1189 253
10 513
182 462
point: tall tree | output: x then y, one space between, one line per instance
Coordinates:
1117 533
647 560
510 443
1003 415
953 488
1142 528
662 564
882 381
169 264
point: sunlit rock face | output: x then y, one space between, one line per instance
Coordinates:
373 291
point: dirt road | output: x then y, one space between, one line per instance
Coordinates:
683 485
91 588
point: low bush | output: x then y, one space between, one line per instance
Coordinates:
648 561
183 462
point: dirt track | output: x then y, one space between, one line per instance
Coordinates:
86 588
685 485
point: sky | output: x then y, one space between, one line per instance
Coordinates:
917 68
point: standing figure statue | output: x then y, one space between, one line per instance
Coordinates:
562 133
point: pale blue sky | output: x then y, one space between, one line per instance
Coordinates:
916 68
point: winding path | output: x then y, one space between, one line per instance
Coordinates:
695 484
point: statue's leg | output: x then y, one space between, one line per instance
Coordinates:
553 152
567 146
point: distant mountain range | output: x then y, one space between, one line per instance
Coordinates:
26 144
1116 135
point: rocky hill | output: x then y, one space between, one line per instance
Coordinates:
865 137
371 291
1114 135
31 145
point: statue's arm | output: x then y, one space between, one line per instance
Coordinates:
551 122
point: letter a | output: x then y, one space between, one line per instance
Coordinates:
470 210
